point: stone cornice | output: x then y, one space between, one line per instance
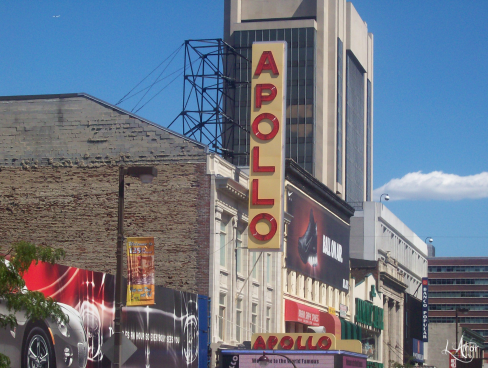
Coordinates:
231 188
317 190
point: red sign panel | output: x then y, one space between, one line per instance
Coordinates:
296 312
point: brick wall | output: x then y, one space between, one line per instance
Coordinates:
59 160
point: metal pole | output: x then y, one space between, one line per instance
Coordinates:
118 275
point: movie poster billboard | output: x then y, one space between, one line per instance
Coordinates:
317 241
140 271
166 332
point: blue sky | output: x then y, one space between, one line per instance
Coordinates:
430 92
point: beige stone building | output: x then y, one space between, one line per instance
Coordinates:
381 243
390 288
265 292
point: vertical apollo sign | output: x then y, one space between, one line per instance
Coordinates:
267 149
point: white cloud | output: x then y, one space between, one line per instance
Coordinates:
435 185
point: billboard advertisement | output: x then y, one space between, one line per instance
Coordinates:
166 332
317 242
140 271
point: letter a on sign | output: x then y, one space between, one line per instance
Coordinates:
267 158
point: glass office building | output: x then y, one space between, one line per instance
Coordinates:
329 101
300 92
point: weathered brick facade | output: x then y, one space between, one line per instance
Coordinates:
59 159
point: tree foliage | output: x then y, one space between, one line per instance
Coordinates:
13 266
409 363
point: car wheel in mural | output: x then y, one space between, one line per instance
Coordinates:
190 332
44 343
38 349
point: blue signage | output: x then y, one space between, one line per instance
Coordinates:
425 309
418 351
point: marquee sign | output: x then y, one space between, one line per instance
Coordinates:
303 341
293 341
266 171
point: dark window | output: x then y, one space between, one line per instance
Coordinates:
458 294
354 130
339 109
369 140
458 268
458 281
452 307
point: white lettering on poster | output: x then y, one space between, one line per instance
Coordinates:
465 351
331 248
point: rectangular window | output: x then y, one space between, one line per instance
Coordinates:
268 268
339 110
369 138
255 264
254 318
221 319
223 241
268 319
239 251
238 319
355 106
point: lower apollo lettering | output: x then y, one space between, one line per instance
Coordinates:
288 343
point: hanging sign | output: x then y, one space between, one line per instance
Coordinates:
425 309
267 147
140 269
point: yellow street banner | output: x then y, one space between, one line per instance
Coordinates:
140 269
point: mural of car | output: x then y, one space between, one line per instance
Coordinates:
45 343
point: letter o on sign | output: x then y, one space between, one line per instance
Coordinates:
324 343
287 342
274 131
254 222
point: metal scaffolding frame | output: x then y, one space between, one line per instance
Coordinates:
209 89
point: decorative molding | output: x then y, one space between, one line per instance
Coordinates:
232 188
224 207
317 190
